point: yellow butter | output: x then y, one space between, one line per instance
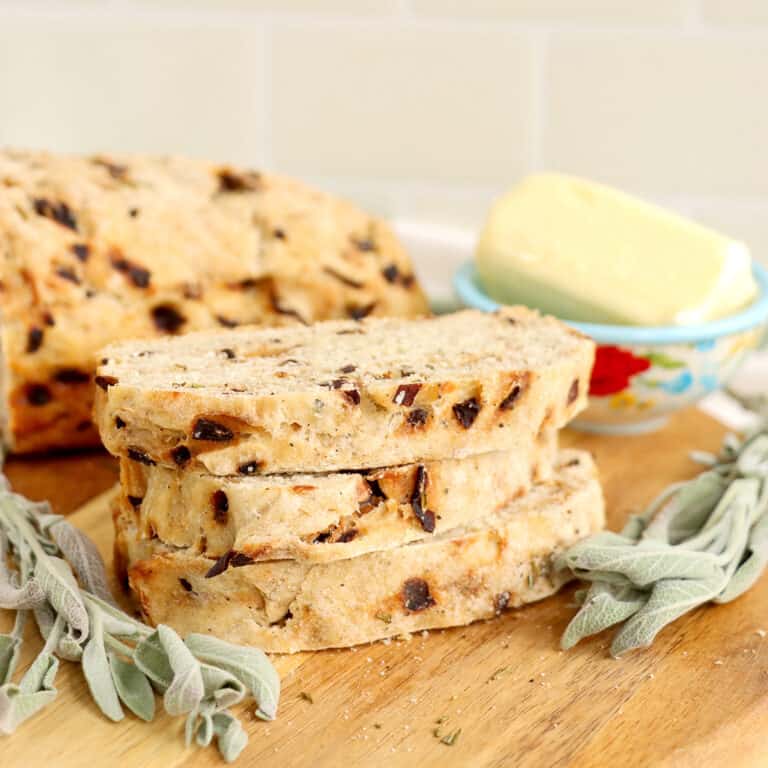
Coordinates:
586 252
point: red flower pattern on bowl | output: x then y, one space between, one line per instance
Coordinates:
613 369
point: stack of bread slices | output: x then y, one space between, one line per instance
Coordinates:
310 487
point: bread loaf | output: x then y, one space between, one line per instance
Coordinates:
95 249
462 575
342 395
322 517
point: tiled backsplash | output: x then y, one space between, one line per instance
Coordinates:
424 109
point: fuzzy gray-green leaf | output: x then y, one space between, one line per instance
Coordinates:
642 564
249 665
693 505
669 600
68 648
82 555
9 655
231 737
98 674
150 657
753 458
132 687
603 607
222 687
35 691
187 689
60 587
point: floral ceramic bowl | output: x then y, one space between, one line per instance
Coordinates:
643 374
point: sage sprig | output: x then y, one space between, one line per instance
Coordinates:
51 573
705 540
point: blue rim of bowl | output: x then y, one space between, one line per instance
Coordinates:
467 285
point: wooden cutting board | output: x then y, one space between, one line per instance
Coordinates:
698 697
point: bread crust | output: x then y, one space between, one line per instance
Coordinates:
97 249
469 573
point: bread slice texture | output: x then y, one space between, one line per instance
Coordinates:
97 249
469 573
332 516
343 395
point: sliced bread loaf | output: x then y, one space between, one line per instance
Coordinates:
95 249
331 516
469 573
343 395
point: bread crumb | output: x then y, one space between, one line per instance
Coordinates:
718 662
761 632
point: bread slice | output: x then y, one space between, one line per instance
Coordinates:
96 249
460 576
343 395
331 516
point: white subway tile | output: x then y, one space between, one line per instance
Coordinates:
581 11
97 83
378 198
447 206
735 11
659 114
442 102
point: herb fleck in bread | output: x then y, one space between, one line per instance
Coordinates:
460 576
332 516
343 395
95 249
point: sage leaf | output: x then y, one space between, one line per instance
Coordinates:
186 690
51 570
230 735
98 674
704 540
82 555
634 527
603 607
249 665
669 600
40 673
20 702
204 729
60 587
15 598
693 505
745 576
190 727
118 627
12 596
749 571
150 657
116 622
642 564
753 458
222 687
68 647
9 656
132 687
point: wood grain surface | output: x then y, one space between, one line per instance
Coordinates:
698 697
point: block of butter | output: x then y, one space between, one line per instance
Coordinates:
585 252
